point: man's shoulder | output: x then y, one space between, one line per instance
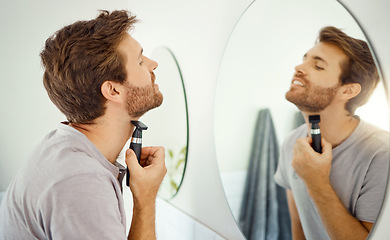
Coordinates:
59 158
291 138
376 132
373 137
67 146
64 151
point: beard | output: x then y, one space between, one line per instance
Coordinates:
314 99
142 99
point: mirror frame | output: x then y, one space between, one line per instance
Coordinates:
169 51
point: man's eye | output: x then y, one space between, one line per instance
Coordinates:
318 67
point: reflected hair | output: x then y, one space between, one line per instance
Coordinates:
358 68
79 58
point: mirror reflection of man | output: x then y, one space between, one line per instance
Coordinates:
70 187
336 194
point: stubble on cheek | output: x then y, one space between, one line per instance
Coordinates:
314 99
140 100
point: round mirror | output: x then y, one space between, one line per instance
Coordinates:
168 124
266 44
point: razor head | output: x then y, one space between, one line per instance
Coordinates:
139 125
314 118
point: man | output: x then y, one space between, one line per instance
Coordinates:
70 187
336 194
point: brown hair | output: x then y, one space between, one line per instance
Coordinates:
78 58
359 68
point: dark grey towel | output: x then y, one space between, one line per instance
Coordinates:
264 211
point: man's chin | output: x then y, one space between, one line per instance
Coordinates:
298 102
157 101
159 98
290 97
309 108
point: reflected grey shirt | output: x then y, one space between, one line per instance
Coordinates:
65 190
358 175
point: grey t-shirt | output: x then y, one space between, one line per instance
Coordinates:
65 190
358 174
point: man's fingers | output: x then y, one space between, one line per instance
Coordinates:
326 147
131 159
152 153
303 143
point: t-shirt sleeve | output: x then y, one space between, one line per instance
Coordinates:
84 207
373 189
280 176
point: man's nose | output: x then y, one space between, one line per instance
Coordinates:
300 69
152 64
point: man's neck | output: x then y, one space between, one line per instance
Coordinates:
108 138
335 126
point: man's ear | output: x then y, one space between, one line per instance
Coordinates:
112 91
350 90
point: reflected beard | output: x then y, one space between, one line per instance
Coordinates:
142 99
314 99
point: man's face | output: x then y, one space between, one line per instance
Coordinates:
316 80
143 93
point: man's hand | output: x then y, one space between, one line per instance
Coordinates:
313 168
146 177
145 180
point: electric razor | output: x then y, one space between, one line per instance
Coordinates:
315 133
136 144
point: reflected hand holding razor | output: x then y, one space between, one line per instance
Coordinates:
136 144
315 133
